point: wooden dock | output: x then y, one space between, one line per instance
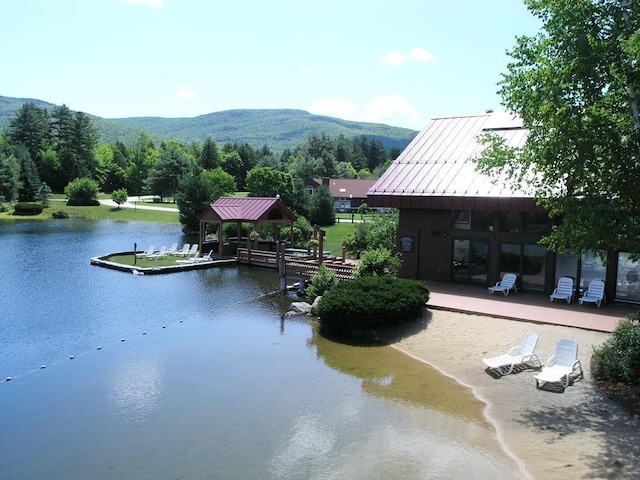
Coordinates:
298 267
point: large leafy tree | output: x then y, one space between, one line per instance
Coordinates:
575 86
267 182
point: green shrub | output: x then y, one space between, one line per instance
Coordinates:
59 214
361 307
27 208
321 282
619 356
82 192
378 263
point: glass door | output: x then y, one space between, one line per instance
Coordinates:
470 260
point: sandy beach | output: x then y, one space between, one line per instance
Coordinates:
576 434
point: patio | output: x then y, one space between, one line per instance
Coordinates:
526 306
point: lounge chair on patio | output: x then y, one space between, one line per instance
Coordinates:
561 367
594 294
521 355
564 290
149 251
507 283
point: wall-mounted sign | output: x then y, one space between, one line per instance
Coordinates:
406 244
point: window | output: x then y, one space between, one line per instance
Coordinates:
526 260
524 222
470 260
478 220
628 281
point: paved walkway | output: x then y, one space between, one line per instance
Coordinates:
526 306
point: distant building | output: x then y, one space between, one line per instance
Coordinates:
458 225
347 193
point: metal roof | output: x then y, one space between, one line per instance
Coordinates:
248 209
439 162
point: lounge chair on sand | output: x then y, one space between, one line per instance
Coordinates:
562 365
520 355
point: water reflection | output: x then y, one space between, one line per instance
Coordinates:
388 373
135 387
229 389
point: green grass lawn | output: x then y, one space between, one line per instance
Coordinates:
98 213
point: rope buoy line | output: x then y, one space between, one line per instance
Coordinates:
100 347
74 357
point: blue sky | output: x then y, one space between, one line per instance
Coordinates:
398 62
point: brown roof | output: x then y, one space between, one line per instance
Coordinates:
343 187
439 162
248 209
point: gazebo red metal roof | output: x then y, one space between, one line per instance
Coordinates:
248 209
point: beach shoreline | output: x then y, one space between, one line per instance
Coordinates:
578 433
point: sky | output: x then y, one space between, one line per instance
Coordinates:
396 62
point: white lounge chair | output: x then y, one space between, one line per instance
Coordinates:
173 249
561 367
197 259
520 355
161 253
185 250
564 290
507 283
149 251
192 252
594 294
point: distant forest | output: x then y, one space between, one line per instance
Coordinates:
45 149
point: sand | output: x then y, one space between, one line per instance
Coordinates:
551 434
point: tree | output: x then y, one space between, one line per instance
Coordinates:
82 192
209 156
9 176
575 86
197 191
165 174
321 211
119 196
267 182
30 127
378 233
29 183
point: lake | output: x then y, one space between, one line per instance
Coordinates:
198 375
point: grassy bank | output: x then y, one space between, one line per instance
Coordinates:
98 213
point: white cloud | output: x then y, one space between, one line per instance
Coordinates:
419 55
151 3
390 110
416 54
185 92
336 107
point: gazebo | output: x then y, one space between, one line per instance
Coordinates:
238 210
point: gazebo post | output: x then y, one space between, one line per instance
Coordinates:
220 240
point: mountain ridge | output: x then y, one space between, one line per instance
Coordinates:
279 129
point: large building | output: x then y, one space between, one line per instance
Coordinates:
459 225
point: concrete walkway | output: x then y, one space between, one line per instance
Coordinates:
132 203
527 306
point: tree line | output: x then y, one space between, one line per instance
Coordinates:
44 151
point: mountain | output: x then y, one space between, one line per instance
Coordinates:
279 129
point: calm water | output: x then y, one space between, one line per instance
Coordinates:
196 375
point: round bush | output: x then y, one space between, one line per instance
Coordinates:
59 214
361 307
27 208
619 356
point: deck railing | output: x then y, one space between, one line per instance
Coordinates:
295 266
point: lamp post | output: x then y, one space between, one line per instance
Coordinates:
351 206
